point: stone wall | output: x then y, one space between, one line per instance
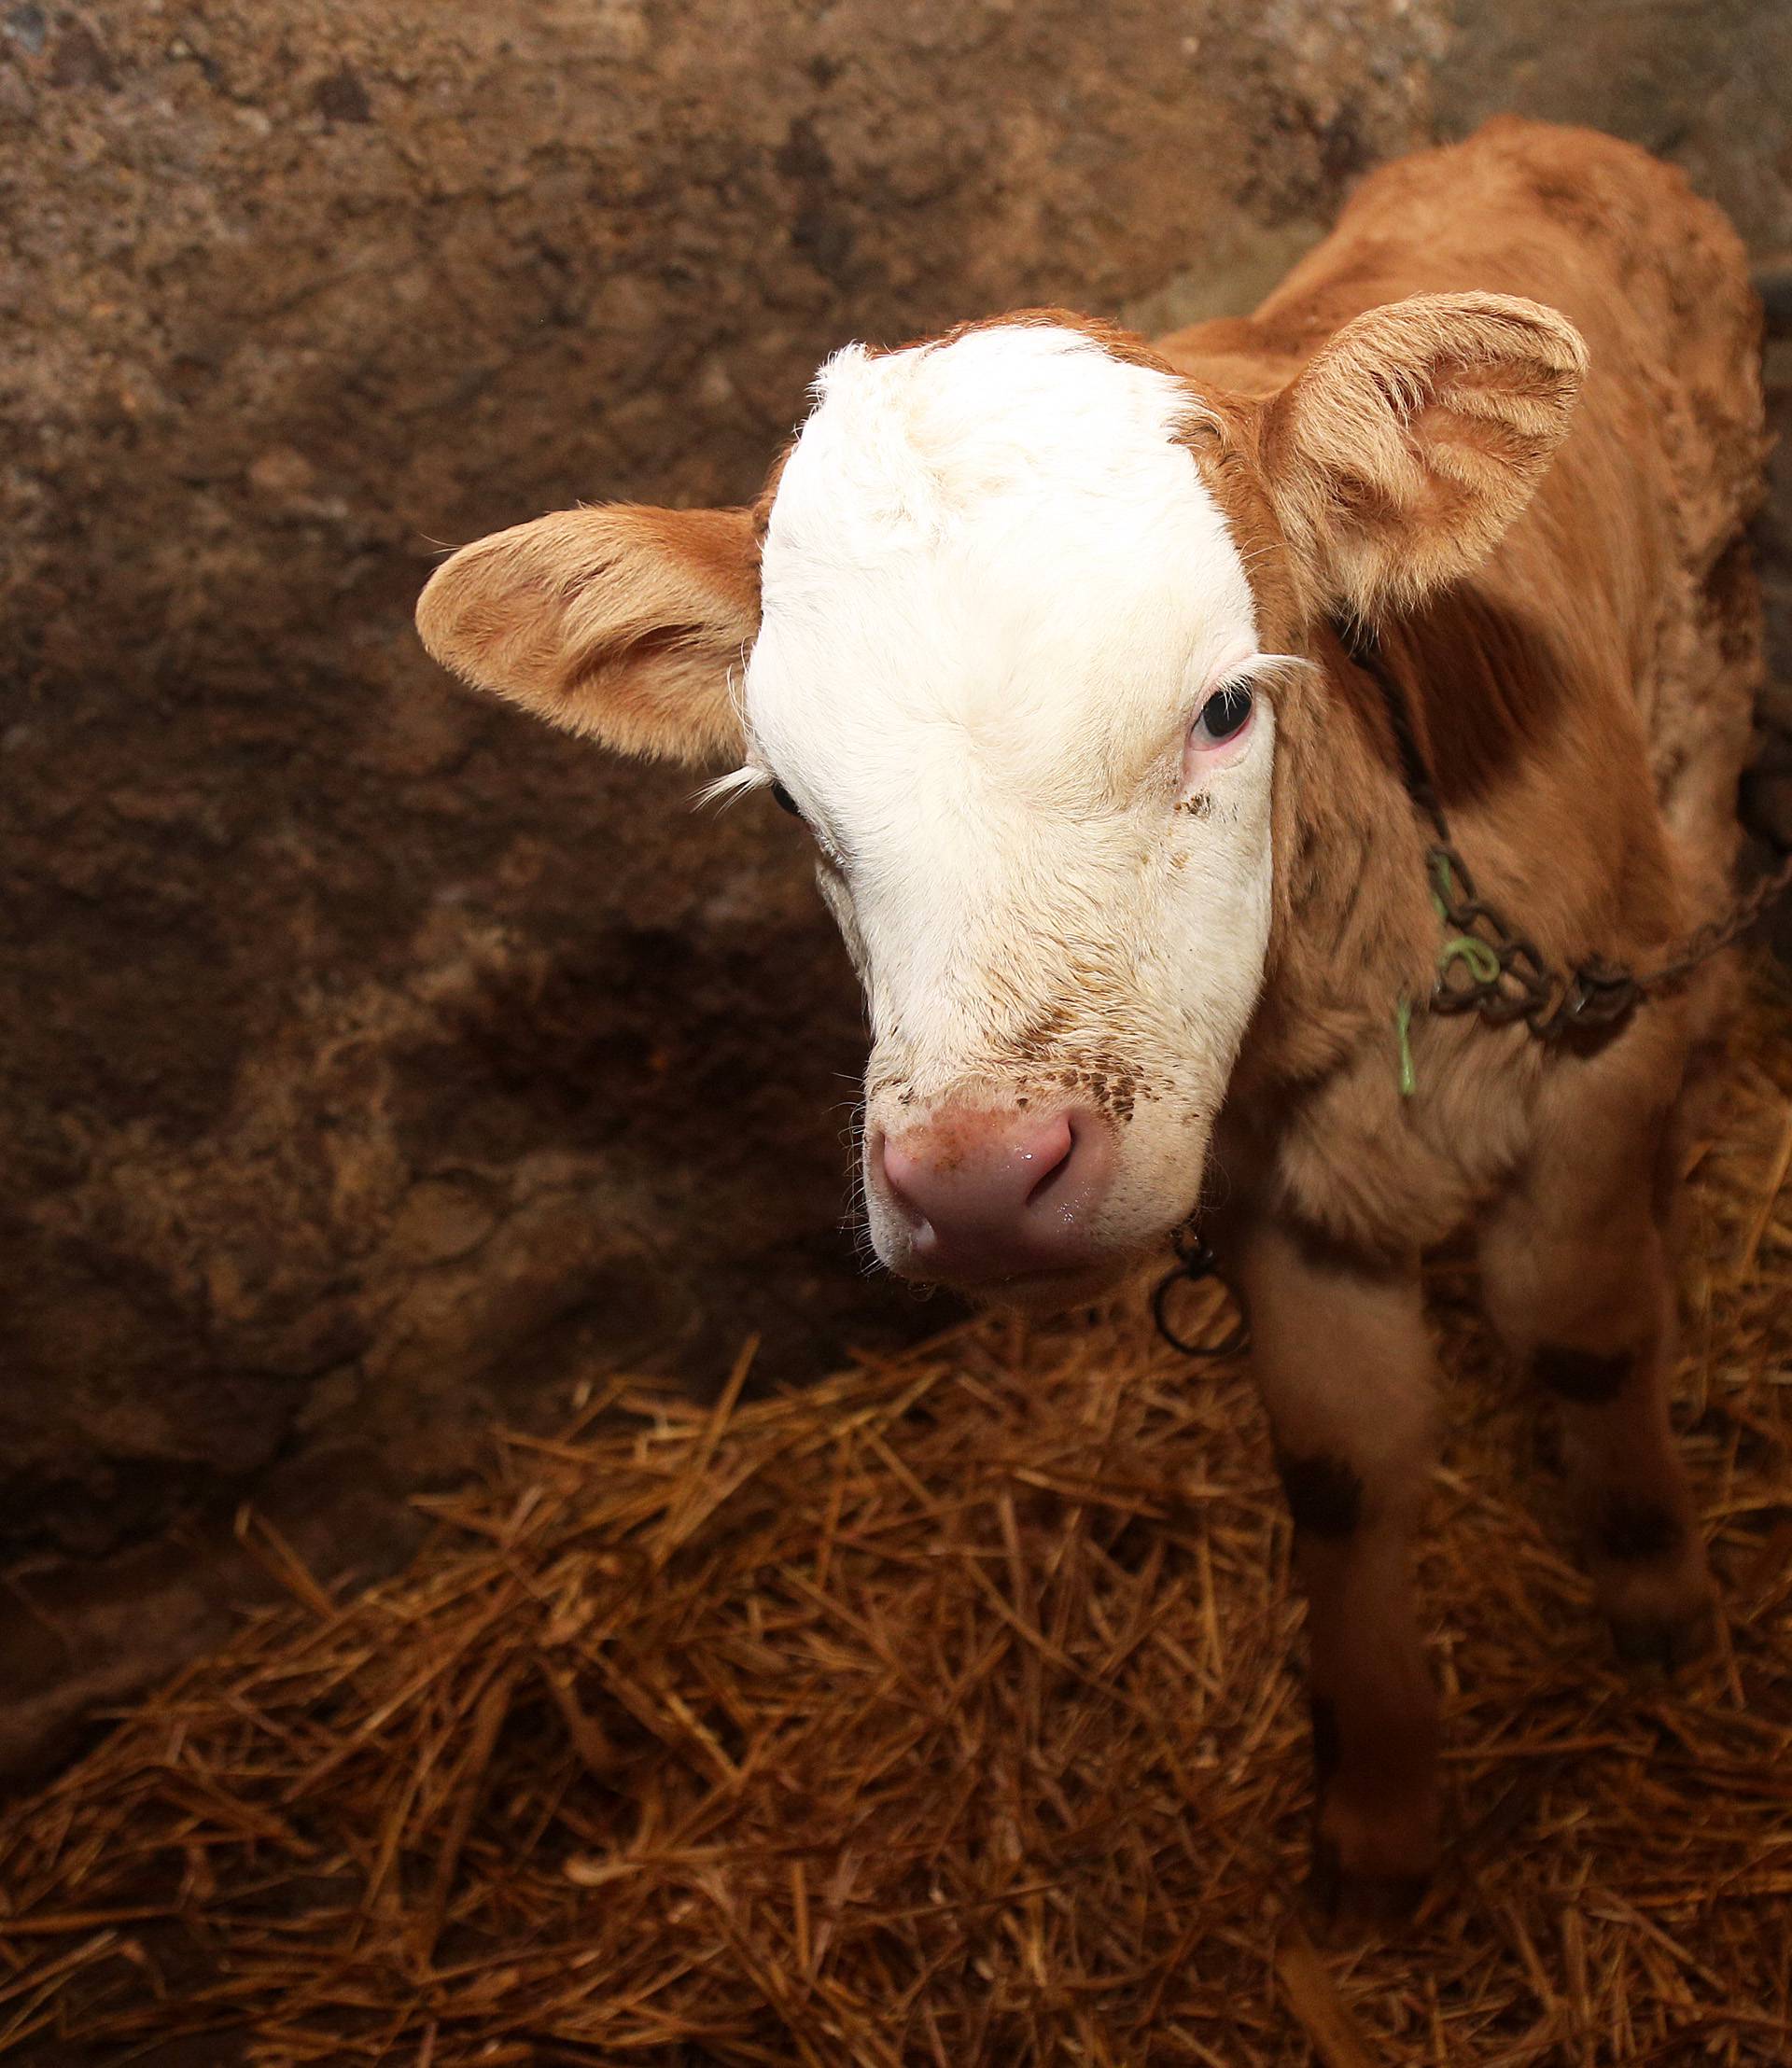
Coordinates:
371 1059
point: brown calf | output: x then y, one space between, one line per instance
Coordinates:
1049 636
1583 704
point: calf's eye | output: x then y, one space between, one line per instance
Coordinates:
1223 716
784 800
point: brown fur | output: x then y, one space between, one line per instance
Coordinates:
623 622
1583 698
1566 603
1383 504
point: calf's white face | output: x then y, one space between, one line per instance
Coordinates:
992 636
997 599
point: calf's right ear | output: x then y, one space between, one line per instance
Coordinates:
621 623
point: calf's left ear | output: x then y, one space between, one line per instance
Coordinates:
621 623
1408 445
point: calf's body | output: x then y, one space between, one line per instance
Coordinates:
1047 634
1583 700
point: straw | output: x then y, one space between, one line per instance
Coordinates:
948 1711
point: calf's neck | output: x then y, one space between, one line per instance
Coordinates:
1047 634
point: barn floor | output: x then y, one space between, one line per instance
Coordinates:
946 1712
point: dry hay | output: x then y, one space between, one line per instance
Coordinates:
945 1713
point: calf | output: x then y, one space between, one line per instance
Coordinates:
1118 685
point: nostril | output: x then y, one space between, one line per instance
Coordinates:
902 1175
972 1194
1048 1159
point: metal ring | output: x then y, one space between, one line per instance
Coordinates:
1196 1262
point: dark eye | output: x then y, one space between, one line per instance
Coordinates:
1222 714
784 800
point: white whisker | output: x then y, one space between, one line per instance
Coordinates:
726 788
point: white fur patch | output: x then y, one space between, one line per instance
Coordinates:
996 590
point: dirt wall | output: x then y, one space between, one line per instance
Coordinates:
372 1058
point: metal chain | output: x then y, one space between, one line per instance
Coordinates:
1521 985
1485 967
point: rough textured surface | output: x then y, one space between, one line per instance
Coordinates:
949 1711
370 1053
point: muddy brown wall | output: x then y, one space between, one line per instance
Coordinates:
369 1057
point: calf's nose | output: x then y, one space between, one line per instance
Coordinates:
989 1195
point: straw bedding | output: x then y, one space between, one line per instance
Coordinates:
949 1712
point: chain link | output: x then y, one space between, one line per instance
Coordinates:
1485 967
1195 1261
1509 980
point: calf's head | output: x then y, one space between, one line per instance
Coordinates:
1011 629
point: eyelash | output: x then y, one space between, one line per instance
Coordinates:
1224 716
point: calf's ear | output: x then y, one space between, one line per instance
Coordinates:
1407 445
620 622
